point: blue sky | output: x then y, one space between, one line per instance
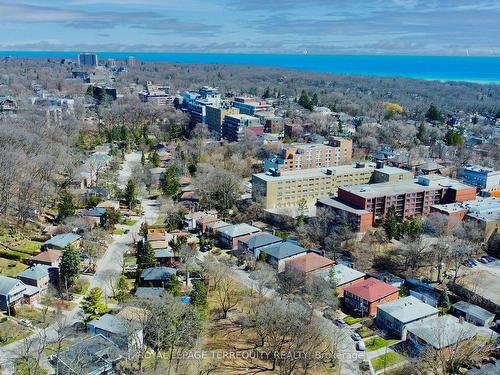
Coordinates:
415 27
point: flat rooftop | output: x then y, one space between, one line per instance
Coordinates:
336 204
314 172
392 170
408 309
431 182
484 209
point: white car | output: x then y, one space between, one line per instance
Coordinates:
25 322
360 345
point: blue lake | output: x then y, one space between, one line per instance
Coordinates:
457 68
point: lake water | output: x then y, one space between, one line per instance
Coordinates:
456 68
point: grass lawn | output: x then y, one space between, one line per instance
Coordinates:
51 348
11 268
129 259
161 219
391 358
119 231
129 222
365 332
377 342
38 317
27 246
351 321
10 332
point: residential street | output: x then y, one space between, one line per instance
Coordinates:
107 271
350 358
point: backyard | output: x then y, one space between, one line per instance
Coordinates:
11 268
10 331
39 317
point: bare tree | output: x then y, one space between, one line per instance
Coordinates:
228 294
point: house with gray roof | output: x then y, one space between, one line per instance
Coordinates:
259 240
230 235
440 332
13 292
344 277
149 292
157 276
60 241
276 255
37 275
126 334
393 316
473 313
96 355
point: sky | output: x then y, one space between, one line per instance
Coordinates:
393 27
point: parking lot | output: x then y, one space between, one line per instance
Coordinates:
483 280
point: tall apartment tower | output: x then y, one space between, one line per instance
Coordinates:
88 59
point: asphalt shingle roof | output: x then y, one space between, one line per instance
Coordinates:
36 272
283 250
371 289
62 240
473 310
158 273
261 239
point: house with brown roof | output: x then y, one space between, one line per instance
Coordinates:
310 263
364 297
51 257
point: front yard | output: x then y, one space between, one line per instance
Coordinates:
377 342
10 331
39 317
387 360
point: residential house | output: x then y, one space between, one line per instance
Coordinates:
310 263
125 334
427 295
155 176
276 255
109 204
96 355
97 215
257 241
393 316
7 104
157 276
50 257
364 297
37 275
230 235
344 276
165 257
439 333
213 228
149 292
14 292
473 313
61 241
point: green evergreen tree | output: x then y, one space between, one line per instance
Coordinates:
175 131
130 193
434 114
154 158
93 305
267 93
70 267
143 158
121 289
454 138
146 257
315 100
444 301
391 223
174 286
66 206
111 218
169 182
199 295
305 101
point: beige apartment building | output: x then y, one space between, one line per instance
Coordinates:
215 118
287 189
311 155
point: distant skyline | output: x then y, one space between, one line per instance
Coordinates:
392 27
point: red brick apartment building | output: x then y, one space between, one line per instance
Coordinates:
366 205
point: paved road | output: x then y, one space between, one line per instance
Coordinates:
349 357
107 271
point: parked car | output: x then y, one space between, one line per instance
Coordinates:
482 260
489 259
356 337
25 322
340 323
473 261
131 267
328 314
360 345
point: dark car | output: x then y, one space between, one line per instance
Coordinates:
482 260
